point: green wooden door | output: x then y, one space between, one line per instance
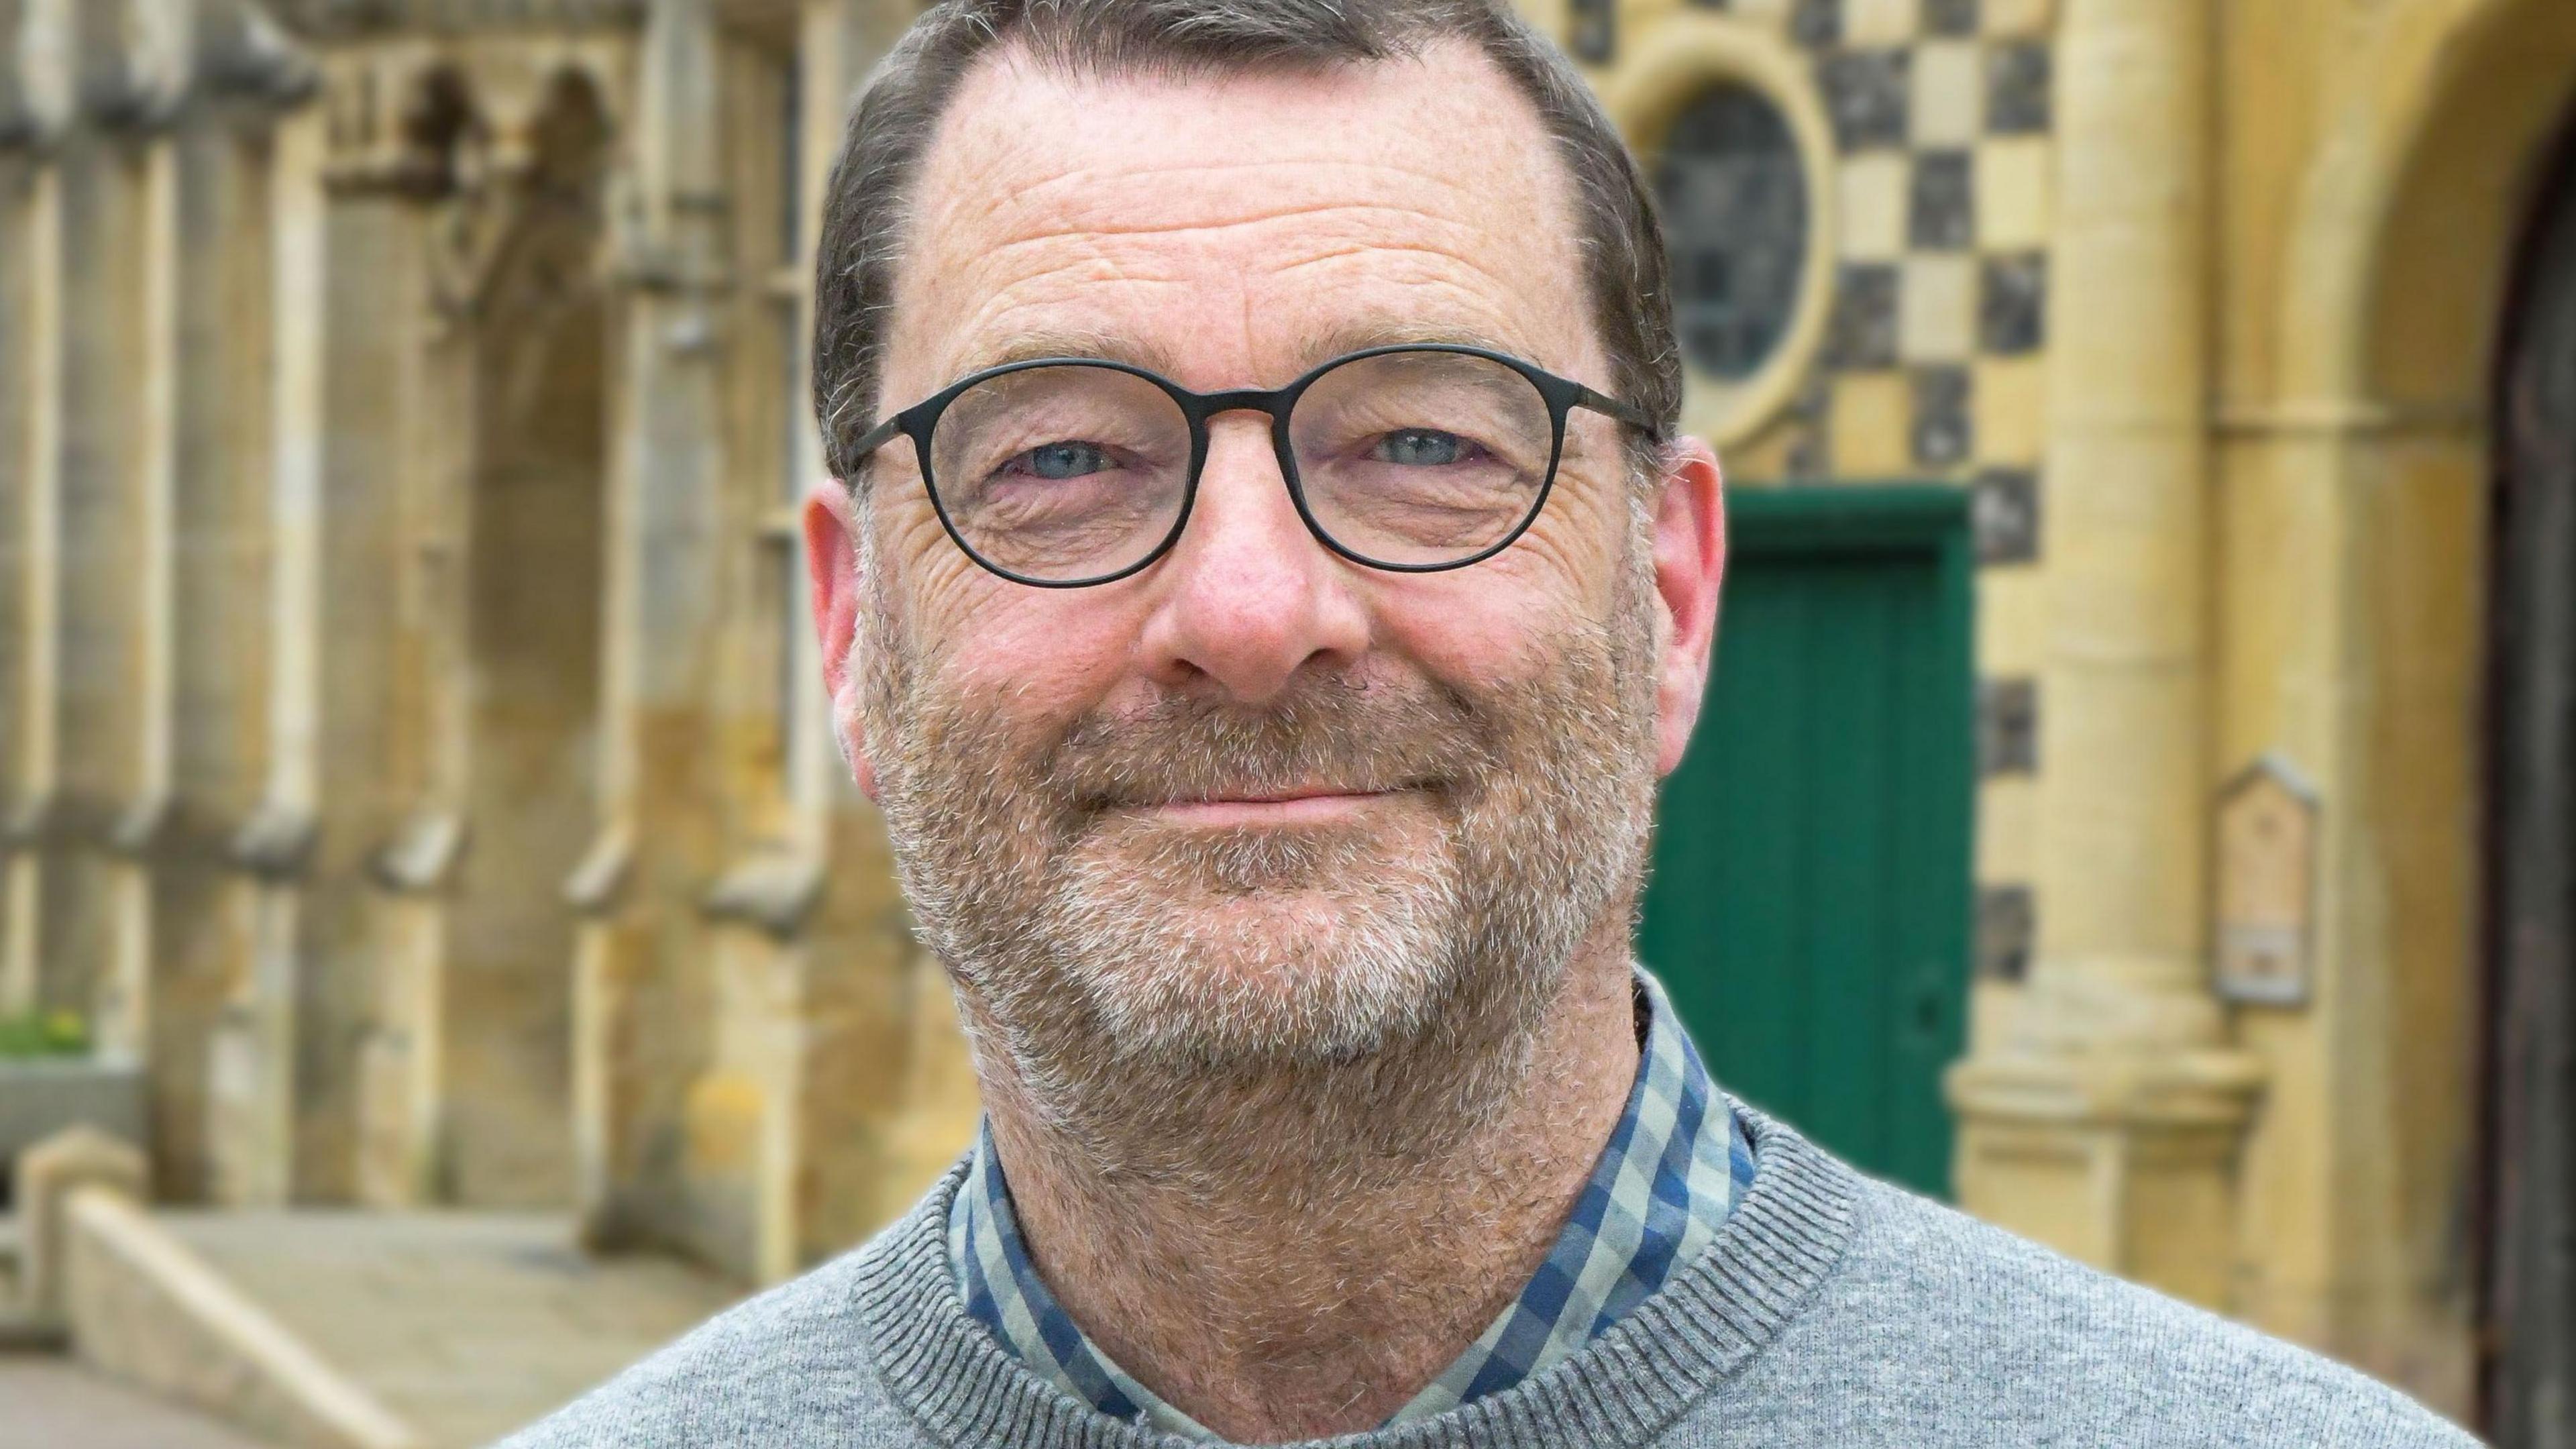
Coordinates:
1810 901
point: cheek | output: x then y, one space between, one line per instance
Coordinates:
1469 629
1507 617
1025 652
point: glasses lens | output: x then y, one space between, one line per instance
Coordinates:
1062 473
1421 457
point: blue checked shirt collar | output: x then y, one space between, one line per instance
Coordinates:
1674 1168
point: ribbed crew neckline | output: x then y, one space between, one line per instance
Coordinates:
962 1388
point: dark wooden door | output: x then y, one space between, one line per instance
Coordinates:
2530 1282
1809 907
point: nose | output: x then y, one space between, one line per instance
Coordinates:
1249 597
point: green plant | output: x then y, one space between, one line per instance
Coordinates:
43 1034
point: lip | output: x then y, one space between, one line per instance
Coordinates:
1286 807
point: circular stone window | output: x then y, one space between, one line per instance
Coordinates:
1733 193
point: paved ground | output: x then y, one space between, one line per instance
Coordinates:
467 1325
48 1402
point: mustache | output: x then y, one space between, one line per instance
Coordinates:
1328 732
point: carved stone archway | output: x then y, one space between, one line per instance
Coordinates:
2361 458
502 161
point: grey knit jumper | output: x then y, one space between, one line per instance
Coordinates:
1832 1310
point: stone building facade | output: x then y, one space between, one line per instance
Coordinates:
414 749
412 746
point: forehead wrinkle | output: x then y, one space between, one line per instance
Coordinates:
1343 222
989 335
1097 200
1439 304
1322 226
1435 310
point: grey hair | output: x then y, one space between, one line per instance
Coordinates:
865 208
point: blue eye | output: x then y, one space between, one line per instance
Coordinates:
1058 461
1419 448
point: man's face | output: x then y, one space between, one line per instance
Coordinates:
1258 807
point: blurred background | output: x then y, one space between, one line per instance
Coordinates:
441 956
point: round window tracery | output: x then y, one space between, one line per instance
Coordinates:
1733 193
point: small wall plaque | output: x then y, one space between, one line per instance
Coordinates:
2267 841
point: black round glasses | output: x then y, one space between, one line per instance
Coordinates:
1067 471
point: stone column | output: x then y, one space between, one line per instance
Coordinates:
43 890
885 1064
110 549
19 167
643 1002
285 1067
2109 1124
251 1069
217 610
34 501
125 996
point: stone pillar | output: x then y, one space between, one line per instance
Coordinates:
113 183
748 1159
43 91
885 1068
19 168
2110 1124
32 496
125 994
822 1108
285 1069
643 991
217 612
372 266
250 1126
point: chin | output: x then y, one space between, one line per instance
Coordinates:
1312 973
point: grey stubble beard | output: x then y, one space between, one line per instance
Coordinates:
1396 1016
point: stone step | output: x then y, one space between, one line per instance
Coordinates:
466 1325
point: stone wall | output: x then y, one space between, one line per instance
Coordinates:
413 749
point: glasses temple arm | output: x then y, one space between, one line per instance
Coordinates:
1633 416
877 437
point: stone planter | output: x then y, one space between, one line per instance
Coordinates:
40 1096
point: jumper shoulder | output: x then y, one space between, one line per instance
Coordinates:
1937 1329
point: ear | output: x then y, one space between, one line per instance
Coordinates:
1690 564
834 590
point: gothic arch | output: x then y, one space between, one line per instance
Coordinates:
502 157
2411 215
2364 450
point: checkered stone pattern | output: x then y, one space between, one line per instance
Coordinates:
1941 112
1934 350
1675 1166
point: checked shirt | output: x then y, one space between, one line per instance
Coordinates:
1674 1167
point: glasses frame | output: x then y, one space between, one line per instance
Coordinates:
1562 396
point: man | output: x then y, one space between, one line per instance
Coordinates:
1264 591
